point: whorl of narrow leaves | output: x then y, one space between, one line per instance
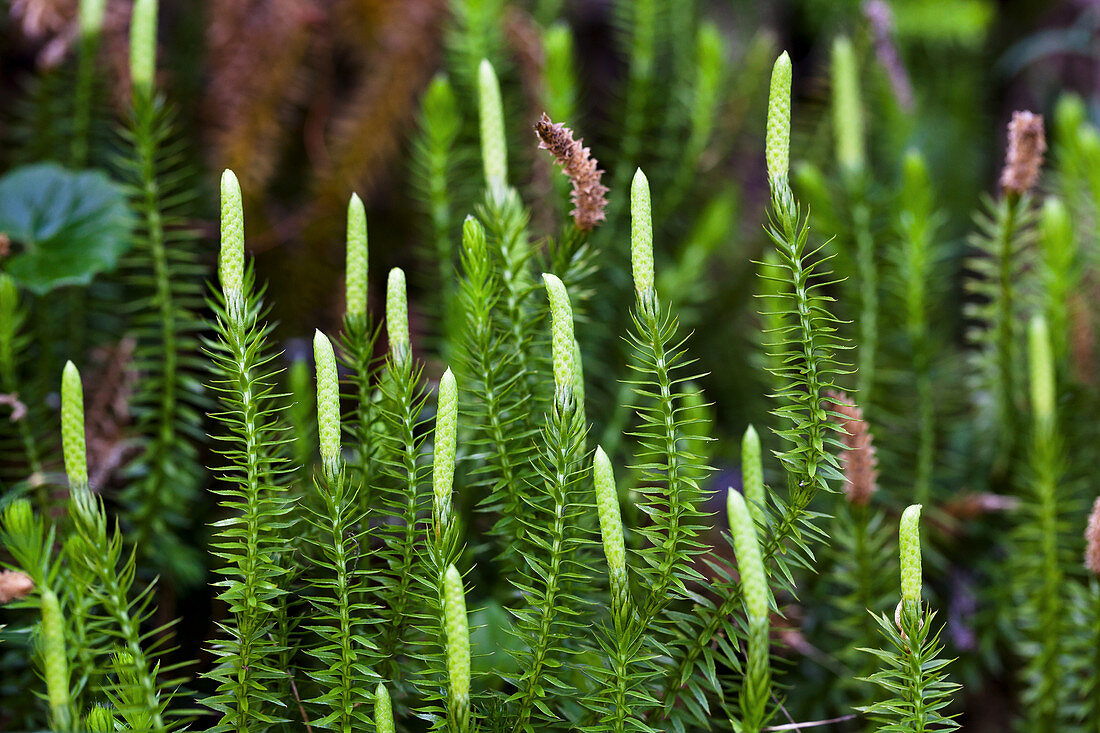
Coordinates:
611 521
1024 158
561 325
494 152
100 720
754 580
1092 540
641 237
383 710
143 46
456 627
328 405
443 457
909 550
55 661
576 161
355 286
72 427
231 255
24 537
752 474
847 108
397 316
777 144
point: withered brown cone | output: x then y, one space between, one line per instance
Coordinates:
589 194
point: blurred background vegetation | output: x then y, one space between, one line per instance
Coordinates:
310 100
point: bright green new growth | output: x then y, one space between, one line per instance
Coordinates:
562 342
100 720
611 522
55 662
397 316
328 405
754 580
777 143
72 427
909 547
755 691
752 474
641 236
231 256
383 710
143 46
456 626
91 17
443 456
578 381
494 153
847 108
1041 372
355 285
1059 273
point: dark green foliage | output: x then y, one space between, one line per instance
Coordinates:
71 225
165 275
911 675
251 538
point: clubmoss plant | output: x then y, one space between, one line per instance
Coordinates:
138 693
162 268
1005 233
402 496
1039 552
620 698
553 535
911 673
357 354
343 654
918 224
250 539
806 364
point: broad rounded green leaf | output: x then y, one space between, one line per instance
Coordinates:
69 225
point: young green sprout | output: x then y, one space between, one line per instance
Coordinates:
456 627
231 255
355 285
641 238
1041 380
754 583
494 153
752 474
55 661
611 526
383 710
100 720
72 427
143 46
909 550
777 143
328 406
562 341
397 317
443 456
